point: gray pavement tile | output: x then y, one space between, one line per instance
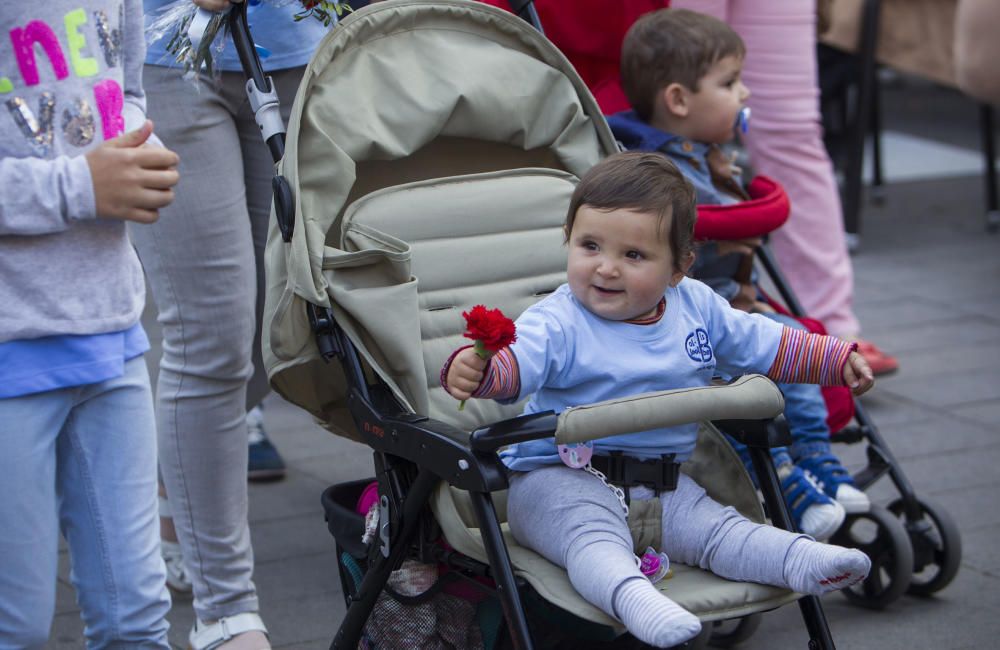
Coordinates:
351 462
904 312
297 577
937 473
291 537
947 388
987 413
885 407
310 622
937 434
967 331
982 553
294 496
949 357
66 633
65 598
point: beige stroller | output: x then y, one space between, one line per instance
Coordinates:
431 154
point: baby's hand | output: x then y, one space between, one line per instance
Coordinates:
858 374
132 181
465 374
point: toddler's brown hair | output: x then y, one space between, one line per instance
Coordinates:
672 46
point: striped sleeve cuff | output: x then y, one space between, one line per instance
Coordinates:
500 381
807 358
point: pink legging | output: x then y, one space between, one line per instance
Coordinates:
785 143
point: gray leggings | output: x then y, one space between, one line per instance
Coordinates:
573 520
204 263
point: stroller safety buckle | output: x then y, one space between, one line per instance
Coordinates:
659 474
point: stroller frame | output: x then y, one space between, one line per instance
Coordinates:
412 452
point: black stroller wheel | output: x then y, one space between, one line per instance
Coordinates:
937 547
880 536
729 634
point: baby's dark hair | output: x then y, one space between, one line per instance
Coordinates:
644 182
672 46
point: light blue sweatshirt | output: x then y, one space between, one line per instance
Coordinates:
568 356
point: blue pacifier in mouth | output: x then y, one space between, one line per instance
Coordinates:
743 119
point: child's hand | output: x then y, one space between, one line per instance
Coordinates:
132 181
858 374
465 374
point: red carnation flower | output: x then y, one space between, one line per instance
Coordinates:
490 329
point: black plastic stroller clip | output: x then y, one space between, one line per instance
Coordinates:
284 207
322 323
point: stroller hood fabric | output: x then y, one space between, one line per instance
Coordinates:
405 92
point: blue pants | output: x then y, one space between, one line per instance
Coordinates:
805 411
82 460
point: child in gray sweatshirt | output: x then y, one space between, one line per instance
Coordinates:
77 436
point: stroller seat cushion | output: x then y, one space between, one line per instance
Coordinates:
492 238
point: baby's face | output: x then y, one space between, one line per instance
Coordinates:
714 107
619 265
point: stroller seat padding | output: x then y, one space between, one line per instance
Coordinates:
442 246
708 596
749 397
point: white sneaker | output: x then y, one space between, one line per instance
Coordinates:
177 578
854 500
823 517
821 521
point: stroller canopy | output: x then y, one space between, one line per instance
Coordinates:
422 111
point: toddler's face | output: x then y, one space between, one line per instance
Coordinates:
714 107
619 265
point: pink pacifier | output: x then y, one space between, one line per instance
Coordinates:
576 456
653 565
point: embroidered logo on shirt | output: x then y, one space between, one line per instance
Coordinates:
698 347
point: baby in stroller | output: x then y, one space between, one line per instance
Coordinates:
681 72
629 322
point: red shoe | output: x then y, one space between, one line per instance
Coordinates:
880 362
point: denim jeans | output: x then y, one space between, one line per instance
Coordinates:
204 260
82 460
805 412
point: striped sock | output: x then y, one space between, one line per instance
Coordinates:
651 617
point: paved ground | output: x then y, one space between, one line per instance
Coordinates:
927 289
